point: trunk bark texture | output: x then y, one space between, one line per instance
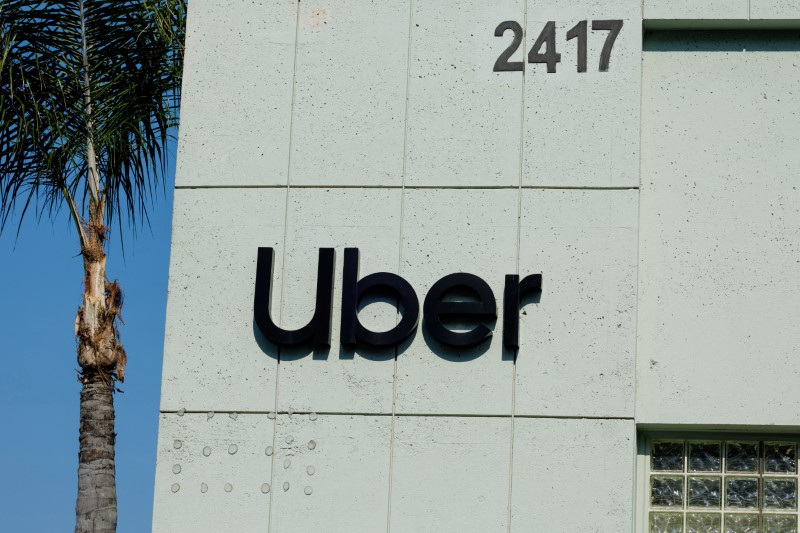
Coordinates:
97 493
100 354
102 361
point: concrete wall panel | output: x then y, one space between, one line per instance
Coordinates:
463 119
348 457
238 74
447 231
212 472
450 474
343 380
582 129
774 9
720 228
583 329
573 475
212 359
692 9
349 110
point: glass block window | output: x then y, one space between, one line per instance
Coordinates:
735 485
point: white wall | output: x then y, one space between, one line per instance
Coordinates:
719 232
380 125
717 10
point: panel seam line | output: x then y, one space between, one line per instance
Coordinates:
519 241
400 261
402 414
415 187
638 262
283 258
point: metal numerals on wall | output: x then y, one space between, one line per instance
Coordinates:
547 40
438 310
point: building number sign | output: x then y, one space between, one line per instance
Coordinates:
547 40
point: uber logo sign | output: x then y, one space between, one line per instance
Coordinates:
438 310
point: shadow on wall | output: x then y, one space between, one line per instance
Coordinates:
721 41
448 353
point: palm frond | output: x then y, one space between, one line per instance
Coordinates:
135 52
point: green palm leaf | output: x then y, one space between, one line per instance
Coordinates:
134 59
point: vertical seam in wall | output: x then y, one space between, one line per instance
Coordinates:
638 248
283 260
519 240
400 260
289 161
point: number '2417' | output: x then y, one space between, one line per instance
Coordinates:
548 39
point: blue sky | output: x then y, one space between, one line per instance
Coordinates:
41 286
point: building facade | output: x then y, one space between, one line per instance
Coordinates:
643 157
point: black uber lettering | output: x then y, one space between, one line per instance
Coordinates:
437 309
353 290
318 330
515 291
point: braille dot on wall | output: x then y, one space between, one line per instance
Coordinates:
269 450
177 444
271 415
308 491
285 486
265 488
175 487
289 439
176 469
287 463
312 416
203 488
210 415
233 416
310 469
232 449
181 412
206 451
228 487
312 445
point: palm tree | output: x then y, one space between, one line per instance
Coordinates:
89 93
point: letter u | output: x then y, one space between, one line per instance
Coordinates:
318 330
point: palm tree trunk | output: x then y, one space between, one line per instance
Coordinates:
96 509
100 355
102 360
